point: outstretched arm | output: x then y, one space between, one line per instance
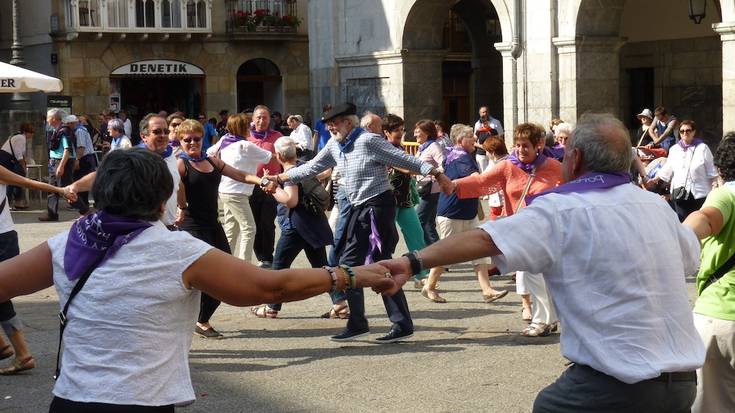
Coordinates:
26 273
10 178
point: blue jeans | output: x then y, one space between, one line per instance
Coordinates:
344 211
426 210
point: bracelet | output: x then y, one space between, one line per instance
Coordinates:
417 264
353 279
333 276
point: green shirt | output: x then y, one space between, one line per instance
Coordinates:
718 300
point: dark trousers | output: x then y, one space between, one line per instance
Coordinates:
354 248
66 179
59 405
290 244
8 249
584 389
426 210
87 165
264 212
684 208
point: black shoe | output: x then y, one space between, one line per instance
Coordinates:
349 335
208 333
47 218
266 264
394 335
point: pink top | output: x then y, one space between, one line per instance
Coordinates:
506 177
434 155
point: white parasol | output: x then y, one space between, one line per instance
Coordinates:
14 79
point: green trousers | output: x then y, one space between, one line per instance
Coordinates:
413 234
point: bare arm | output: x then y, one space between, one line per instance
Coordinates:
288 196
240 283
10 178
705 222
84 184
26 273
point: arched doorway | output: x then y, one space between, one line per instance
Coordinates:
259 82
450 65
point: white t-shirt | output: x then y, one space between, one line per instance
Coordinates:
129 331
614 261
494 123
84 140
19 146
694 169
241 155
128 127
122 143
169 215
6 220
302 136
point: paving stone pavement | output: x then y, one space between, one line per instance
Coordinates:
465 355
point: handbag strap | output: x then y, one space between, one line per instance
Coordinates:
724 268
62 314
10 143
525 190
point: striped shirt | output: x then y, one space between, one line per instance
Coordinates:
363 166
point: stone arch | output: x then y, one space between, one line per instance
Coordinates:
259 81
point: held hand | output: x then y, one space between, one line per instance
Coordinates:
270 188
446 184
376 277
68 193
272 178
400 269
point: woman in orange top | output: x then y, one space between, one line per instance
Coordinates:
525 170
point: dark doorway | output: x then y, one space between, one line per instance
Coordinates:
641 94
143 95
259 82
456 92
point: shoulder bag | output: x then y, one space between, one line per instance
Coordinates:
681 193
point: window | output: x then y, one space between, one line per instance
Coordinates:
144 13
196 15
89 13
171 10
117 13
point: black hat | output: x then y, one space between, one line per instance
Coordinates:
344 109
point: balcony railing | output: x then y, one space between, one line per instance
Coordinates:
262 16
139 16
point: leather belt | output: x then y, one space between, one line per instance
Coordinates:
676 376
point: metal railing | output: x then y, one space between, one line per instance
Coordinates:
262 16
142 16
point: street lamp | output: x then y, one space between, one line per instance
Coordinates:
697 10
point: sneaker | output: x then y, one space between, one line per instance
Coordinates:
349 335
394 335
208 333
266 264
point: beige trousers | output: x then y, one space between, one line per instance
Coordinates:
239 224
716 379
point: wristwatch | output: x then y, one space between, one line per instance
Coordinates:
264 182
435 173
416 263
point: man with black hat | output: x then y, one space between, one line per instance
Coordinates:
363 159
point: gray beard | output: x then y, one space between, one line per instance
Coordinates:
339 137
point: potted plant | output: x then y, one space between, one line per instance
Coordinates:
290 23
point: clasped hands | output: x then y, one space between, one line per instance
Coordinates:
69 193
385 277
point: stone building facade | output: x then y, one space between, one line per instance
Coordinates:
527 60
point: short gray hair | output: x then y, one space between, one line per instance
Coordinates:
353 119
145 122
567 128
57 114
604 143
116 124
459 131
286 147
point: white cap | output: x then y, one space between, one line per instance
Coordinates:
647 113
70 119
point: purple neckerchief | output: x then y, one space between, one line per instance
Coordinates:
99 234
259 135
174 143
455 153
169 150
374 239
587 182
425 145
229 139
526 167
202 156
684 146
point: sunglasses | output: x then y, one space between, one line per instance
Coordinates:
189 140
173 125
686 130
159 132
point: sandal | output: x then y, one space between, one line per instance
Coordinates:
432 295
536 330
342 312
264 311
6 352
526 314
17 366
494 297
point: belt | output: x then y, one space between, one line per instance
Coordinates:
676 376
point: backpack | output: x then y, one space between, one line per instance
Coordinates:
55 139
313 197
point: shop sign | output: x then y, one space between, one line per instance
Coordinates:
58 102
158 67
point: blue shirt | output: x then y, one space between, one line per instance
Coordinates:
209 133
451 206
324 135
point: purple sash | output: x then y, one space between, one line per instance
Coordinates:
259 135
375 241
229 139
455 153
96 235
202 156
684 146
587 182
526 167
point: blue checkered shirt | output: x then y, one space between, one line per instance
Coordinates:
363 166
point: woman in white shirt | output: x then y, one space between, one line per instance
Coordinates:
15 148
238 221
116 128
140 272
689 170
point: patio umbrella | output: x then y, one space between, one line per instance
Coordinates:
14 79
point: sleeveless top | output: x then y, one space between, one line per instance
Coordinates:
201 196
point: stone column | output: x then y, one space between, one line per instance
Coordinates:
566 49
19 100
510 90
726 31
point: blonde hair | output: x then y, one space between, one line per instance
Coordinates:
189 126
239 124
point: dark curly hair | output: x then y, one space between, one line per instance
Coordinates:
391 122
725 157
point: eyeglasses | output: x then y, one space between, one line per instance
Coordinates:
174 125
159 132
686 130
189 140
